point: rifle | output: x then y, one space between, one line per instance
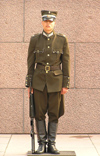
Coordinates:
32 116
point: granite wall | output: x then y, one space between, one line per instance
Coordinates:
79 20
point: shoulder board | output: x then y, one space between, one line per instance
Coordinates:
61 35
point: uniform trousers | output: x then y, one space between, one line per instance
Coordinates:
47 103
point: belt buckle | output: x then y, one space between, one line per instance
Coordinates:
47 68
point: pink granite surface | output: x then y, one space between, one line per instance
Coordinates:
11 111
87 65
80 22
11 21
14 65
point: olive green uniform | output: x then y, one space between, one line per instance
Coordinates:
49 70
48 51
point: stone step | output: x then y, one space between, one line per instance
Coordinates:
62 153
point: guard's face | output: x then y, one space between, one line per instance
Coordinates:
48 26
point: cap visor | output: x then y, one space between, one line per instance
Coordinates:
46 18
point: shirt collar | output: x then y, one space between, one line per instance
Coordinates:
48 35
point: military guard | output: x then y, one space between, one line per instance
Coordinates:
49 68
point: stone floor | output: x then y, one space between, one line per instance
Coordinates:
19 145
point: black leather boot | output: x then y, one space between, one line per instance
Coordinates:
42 136
52 130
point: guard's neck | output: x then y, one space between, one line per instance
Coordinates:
48 34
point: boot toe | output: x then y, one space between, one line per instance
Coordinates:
41 149
52 149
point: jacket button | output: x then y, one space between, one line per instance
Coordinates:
48 39
48 46
48 54
47 63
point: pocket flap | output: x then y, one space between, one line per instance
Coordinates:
37 50
58 72
58 51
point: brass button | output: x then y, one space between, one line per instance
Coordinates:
48 46
47 63
48 39
48 54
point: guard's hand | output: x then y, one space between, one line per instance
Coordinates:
29 92
64 90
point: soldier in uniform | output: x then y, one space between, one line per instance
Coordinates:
48 66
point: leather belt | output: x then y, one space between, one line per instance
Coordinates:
48 68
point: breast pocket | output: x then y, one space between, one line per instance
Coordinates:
56 53
40 56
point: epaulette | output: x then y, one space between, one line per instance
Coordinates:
61 35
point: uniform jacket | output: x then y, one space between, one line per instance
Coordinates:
49 50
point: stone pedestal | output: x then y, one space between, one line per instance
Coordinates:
62 153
